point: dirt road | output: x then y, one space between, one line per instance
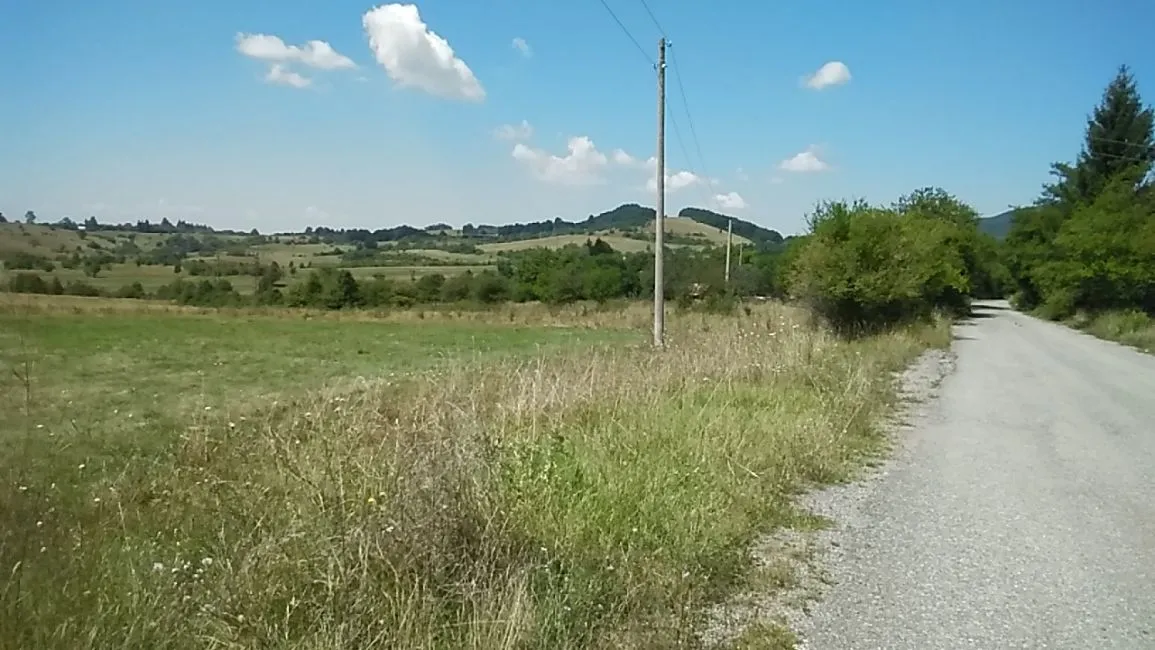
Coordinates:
1019 512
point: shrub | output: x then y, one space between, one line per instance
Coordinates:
864 268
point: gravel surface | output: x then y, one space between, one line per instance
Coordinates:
1018 510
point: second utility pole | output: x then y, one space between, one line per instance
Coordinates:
729 241
660 213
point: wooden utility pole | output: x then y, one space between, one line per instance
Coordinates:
729 242
660 213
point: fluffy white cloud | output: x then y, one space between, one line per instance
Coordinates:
520 45
626 160
675 181
514 132
415 56
315 54
278 74
730 201
804 162
582 165
832 73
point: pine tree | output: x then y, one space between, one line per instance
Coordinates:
1118 140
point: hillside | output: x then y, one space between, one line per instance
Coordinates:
998 226
749 231
115 257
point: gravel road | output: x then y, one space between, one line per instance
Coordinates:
1018 512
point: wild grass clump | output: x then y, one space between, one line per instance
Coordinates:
589 499
1131 327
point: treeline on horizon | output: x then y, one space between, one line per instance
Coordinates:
627 217
1086 246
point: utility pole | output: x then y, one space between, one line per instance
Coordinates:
660 213
729 242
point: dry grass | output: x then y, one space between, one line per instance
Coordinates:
592 499
689 227
1133 327
631 315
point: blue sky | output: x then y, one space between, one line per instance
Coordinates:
141 109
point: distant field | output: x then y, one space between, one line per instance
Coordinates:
97 368
291 250
362 272
691 228
618 242
120 275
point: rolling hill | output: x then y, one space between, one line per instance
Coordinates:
997 226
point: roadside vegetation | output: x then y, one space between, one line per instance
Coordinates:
1085 252
453 474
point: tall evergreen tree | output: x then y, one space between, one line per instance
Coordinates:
1118 140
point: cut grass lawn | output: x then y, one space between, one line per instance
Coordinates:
561 489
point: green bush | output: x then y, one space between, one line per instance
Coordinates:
864 268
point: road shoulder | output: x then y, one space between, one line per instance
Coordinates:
794 565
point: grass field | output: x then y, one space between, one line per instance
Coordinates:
689 227
618 242
405 272
187 478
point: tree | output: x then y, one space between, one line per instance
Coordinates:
30 217
2 218
1118 140
1089 242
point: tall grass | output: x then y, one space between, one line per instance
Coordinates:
592 499
1130 327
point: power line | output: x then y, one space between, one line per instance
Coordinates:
654 18
686 105
628 33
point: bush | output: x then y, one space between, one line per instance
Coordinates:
864 268
27 261
27 283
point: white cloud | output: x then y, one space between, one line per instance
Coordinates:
515 132
730 201
624 159
415 56
582 165
278 74
315 54
832 73
805 162
675 181
520 45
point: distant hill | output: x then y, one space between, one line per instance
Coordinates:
751 231
998 226
628 220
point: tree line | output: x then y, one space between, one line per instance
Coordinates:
1088 242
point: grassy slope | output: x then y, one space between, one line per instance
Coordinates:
577 496
709 234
